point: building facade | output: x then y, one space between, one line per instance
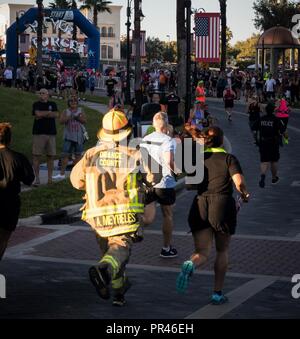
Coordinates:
110 31
57 37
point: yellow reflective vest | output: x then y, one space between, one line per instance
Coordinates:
114 179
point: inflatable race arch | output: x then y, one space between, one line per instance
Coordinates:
75 16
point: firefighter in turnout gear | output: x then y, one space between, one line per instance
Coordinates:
114 177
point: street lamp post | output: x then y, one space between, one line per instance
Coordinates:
138 15
188 5
128 24
39 57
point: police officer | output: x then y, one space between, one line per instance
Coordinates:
269 140
113 175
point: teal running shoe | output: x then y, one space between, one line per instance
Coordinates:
217 299
183 279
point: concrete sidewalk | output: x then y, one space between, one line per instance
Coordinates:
95 106
44 176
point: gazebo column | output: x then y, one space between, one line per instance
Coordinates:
272 60
292 61
283 60
257 60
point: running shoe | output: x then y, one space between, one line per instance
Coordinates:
100 279
275 180
59 177
183 279
119 300
262 183
217 299
172 253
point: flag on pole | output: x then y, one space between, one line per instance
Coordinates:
207 37
142 45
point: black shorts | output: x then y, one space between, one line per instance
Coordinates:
216 211
269 153
164 196
229 103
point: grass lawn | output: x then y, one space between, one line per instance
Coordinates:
47 199
15 107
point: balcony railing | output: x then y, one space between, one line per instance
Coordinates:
108 35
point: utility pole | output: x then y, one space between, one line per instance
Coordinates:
137 42
18 35
188 5
128 24
40 19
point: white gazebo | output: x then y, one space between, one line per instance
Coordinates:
277 40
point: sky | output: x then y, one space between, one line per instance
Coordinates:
160 16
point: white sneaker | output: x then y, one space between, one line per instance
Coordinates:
59 177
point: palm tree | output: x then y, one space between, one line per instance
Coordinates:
61 4
74 6
97 6
223 8
181 50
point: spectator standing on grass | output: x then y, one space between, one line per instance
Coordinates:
44 134
14 169
8 77
73 120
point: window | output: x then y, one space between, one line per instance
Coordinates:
103 52
104 32
107 52
110 53
110 32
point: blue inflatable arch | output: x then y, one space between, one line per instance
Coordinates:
79 20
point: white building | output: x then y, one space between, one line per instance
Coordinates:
8 14
110 29
109 25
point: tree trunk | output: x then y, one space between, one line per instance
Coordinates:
95 16
181 51
74 35
223 8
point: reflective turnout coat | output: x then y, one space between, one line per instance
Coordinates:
114 179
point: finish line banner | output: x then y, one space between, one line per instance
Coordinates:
207 37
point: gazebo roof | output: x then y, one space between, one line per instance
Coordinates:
278 37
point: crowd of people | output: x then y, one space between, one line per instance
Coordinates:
59 81
120 198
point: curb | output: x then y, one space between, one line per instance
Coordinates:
40 219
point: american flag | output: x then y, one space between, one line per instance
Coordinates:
143 45
207 37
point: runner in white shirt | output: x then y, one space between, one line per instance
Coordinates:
270 87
